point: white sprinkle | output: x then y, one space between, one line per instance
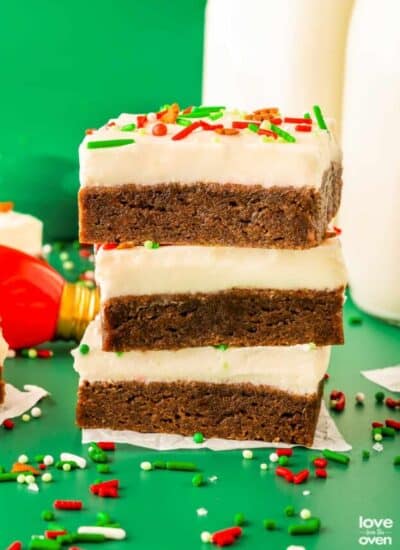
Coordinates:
213 479
33 487
29 479
146 466
360 397
202 512
66 457
68 265
263 466
46 249
378 447
48 460
36 412
66 467
23 459
247 454
306 492
295 547
305 513
21 478
205 536
273 457
151 117
64 256
112 533
11 354
25 417
47 477
91 258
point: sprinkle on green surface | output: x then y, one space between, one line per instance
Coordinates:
309 527
355 320
151 245
84 349
336 457
103 468
128 127
198 480
239 519
47 515
221 347
39 458
198 437
284 135
269 524
396 460
76 245
379 397
365 454
320 117
377 437
108 143
289 510
183 466
388 432
9 476
103 518
283 460
44 544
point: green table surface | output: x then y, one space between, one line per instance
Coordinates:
158 508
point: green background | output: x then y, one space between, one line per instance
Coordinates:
71 65
158 508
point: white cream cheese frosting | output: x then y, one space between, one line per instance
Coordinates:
296 369
21 231
3 349
205 157
189 269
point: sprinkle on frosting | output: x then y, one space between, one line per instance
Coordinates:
320 117
109 143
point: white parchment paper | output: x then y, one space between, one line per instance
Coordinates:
17 402
327 436
388 377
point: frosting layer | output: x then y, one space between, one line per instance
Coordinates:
21 231
190 269
297 369
3 349
205 157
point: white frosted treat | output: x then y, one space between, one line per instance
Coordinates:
296 369
21 231
3 349
189 269
204 156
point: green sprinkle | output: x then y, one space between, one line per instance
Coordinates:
159 465
151 245
9 476
388 432
355 320
84 349
199 112
396 460
57 246
61 463
269 524
198 480
253 127
239 519
379 397
284 135
320 117
198 437
88 537
309 527
336 457
222 347
183 121
103 468
76 245
39 458
119 353
44 544
376 431
184 466
283 460
108 143
216 116
103 517
289 510
164 107
47 515
97 454
365 454
128 127
307 115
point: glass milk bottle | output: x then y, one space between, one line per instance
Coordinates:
370 214
285 53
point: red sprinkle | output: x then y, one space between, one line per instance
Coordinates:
85 252
207 126
281 471
339 400
276 121
141 120
106 445
303 128
45 353
301 477
110 492
320 472
392 424
226 537
42 466
320 462
160 129
109 246
106 488
89 131
15 545
187 130
67 504
54 534
241 124
284 452
392 403
337 230
110 124
326 376
270 133
377 425
8 424
297 120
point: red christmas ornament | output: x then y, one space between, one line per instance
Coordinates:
37 304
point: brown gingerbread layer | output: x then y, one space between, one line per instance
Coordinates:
210 213
237 317
229 411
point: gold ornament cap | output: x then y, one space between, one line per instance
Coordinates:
79 305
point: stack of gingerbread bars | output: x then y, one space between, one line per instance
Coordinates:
221 277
